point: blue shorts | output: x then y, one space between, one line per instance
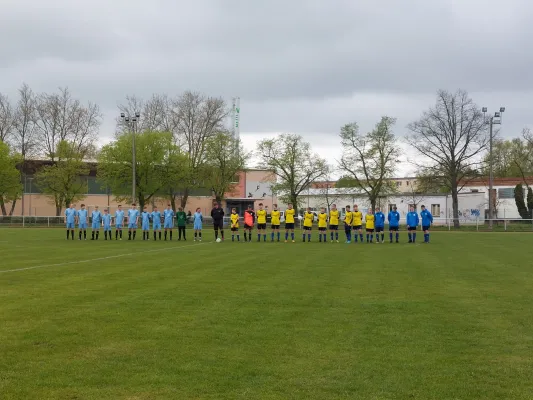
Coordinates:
70 225
146 227
82 226
168 225
157 227
426 227
107 228
380 228
132 226
393 228
95 225
118 226
197 227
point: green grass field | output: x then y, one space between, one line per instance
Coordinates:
174 320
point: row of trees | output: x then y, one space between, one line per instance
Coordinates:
182 143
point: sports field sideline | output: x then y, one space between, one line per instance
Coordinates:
184 320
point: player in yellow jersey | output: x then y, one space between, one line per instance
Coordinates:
275 220
322 225
261 223
289 222
348 225
334 222
370 220
234 217
308 223
357 223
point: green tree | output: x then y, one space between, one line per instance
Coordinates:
64 181
520 201
151 155
450 138
510 158
225 158
368 160
530 201
10 186
174 172
293 163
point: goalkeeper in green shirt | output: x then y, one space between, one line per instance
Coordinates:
181 219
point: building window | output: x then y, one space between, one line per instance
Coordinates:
412 205
235 179
406 183
506 193
474 190
398 184
391 206
435 210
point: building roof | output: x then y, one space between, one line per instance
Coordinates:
484 181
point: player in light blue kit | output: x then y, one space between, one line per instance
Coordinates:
106 220
119 222
70 220
198 219
412 224
96 222
156 223
133 221
169 221
145 220
82 221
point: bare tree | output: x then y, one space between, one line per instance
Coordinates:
414 195
24 127
198 118
368 161
7 119
452 137
62 118
156 114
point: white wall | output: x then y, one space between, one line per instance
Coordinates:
505 208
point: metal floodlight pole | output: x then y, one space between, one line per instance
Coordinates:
131 123
495 120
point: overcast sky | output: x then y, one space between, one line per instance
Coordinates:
298 66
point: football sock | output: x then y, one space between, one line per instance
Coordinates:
97 234
68 233
85 234
303 237
292 235
232 238
410 237
272 236
155 235
279 236
134 234
129 235
72 234
159 235
355 238
238 238
371 238
80 235
258 237
336 235
166 234
170 235
286 235
414 237
120 233
264 238
222 234
92 235
361 237
331 235
397 237
308 237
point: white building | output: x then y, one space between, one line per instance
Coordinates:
471 204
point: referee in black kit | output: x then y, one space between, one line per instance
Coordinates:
217 213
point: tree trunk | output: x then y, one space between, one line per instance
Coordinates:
373 204
13 204
3 206
455 206
58 210
184 198
172 198
294 201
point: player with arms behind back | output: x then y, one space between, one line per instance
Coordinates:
369 226
145 222
70 220
289 222
82 222
234 217
427 220
308 224
394 224
261 223
357 223
322 225
334 223
275 221
106 221
156 222
380 225
198 220
133 221
96 221
412 224
168 216
119 222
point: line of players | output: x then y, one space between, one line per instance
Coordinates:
80 218
353 223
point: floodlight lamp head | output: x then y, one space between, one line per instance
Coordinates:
484 109
496 114
134 119
122 115
138 114
127 119
502 109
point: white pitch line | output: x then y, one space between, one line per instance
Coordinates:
100 258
